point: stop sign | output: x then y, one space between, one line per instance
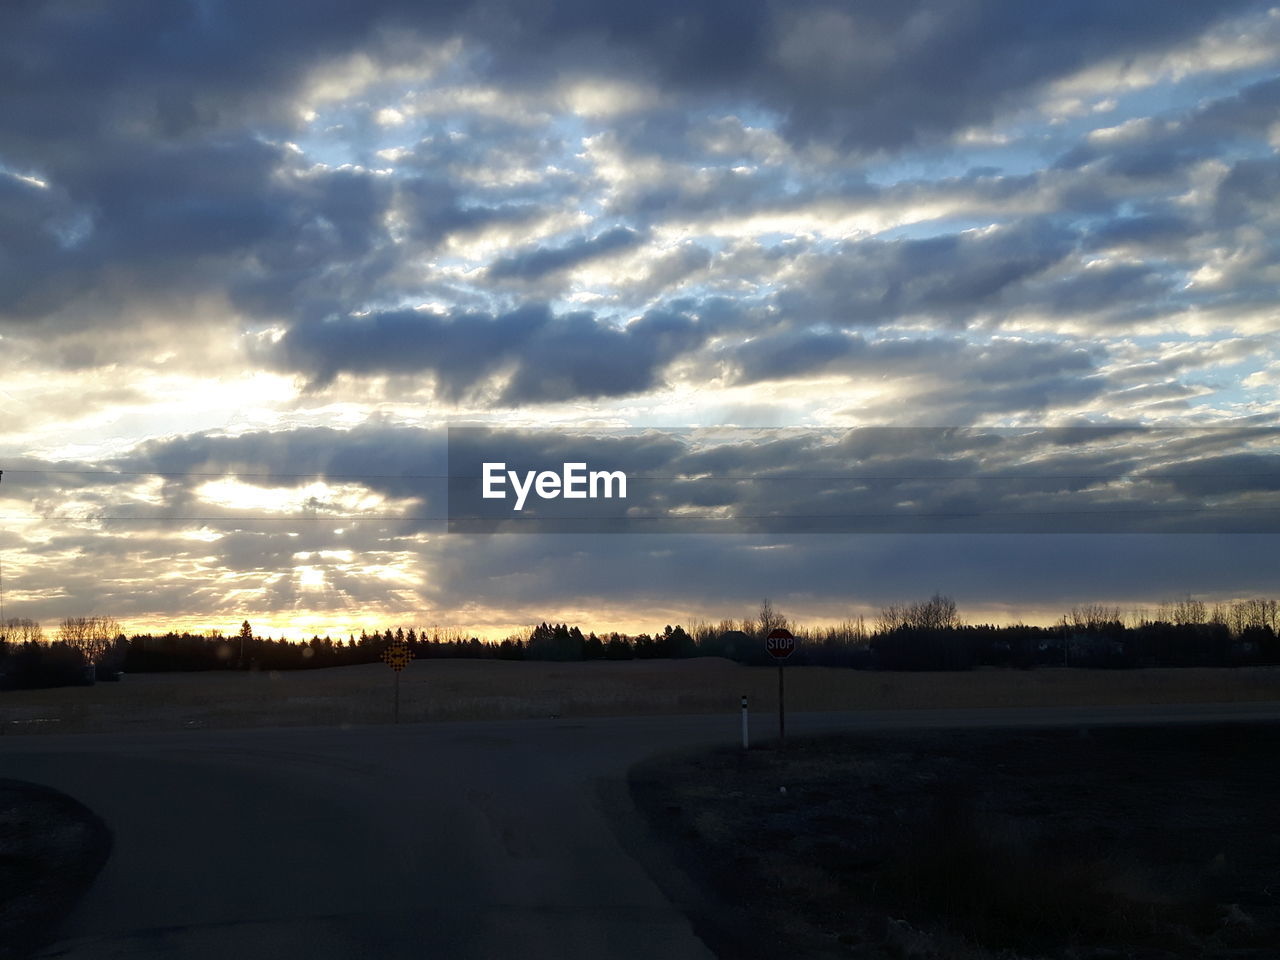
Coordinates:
780 643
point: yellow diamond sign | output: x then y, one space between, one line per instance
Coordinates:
398 656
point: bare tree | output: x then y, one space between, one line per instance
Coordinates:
937 613
1255 613
73 631
92 636
1092 616
891 618
105 632
20 630
769 619
1220 614
1187 611
846 633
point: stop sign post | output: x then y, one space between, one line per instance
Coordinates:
780 644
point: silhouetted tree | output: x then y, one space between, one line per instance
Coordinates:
768 619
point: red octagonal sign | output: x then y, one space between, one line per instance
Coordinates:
780 643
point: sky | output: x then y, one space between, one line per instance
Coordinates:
257 258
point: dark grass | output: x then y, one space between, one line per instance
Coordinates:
51 848
1125 842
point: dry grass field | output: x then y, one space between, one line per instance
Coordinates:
481 690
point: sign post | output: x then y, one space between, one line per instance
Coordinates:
780 644
397 656
744 721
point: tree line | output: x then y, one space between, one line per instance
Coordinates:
927 635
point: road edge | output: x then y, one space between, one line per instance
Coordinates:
633 811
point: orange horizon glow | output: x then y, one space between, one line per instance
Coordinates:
302 627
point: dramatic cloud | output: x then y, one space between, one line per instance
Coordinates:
253 262
546 357
533 264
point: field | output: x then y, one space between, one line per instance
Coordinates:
482 690
1148 843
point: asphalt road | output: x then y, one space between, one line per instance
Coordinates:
458 840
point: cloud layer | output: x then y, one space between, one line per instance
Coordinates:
246 248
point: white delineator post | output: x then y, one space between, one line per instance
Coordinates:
744 722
